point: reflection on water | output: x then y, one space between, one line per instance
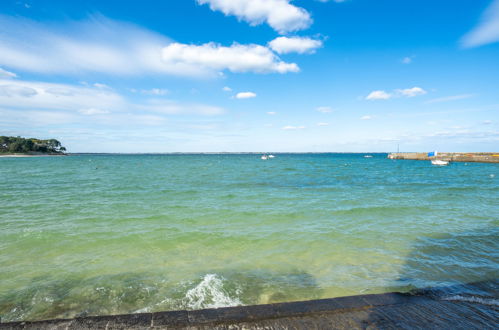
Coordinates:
449 262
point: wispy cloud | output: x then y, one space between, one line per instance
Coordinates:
227 89
465 134
94 45
245 95
102 45
322 124
41 95
450 98
293 128
47 118
366 117
155 91
272 113
27 96
170 107
101 86
279 14
487 31
93 111
300 45
6 74
324 109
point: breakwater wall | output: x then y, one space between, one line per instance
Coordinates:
423 309
469 157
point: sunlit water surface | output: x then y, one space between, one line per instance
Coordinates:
94 234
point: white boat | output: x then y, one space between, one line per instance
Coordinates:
271 156
439 162
264 157
368 156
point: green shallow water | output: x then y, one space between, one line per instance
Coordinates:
95 234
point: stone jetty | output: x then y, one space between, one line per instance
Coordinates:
468 157
426 309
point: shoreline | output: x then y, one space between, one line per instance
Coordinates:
426 308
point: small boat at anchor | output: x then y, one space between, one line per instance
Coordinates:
434 161
264 157
439 162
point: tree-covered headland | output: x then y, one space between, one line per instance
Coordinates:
10 144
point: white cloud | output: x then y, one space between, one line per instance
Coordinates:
92 111
322 124
245 95
411 92
367 117
487 31
279 14
101 45
487 122
408 92
227 89
324 109
6 74
378 95
300 45
236 58
293 128
450 98
271 113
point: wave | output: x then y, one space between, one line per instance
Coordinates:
473 299
210 293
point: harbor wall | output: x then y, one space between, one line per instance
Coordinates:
468 157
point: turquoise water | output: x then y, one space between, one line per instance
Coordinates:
108 234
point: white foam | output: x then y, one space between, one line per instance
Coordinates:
484 301
209 293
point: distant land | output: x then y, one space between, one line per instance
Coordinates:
18 146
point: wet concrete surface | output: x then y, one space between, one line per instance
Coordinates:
449 308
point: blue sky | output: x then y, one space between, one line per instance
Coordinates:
252 75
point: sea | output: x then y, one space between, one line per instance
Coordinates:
111 234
